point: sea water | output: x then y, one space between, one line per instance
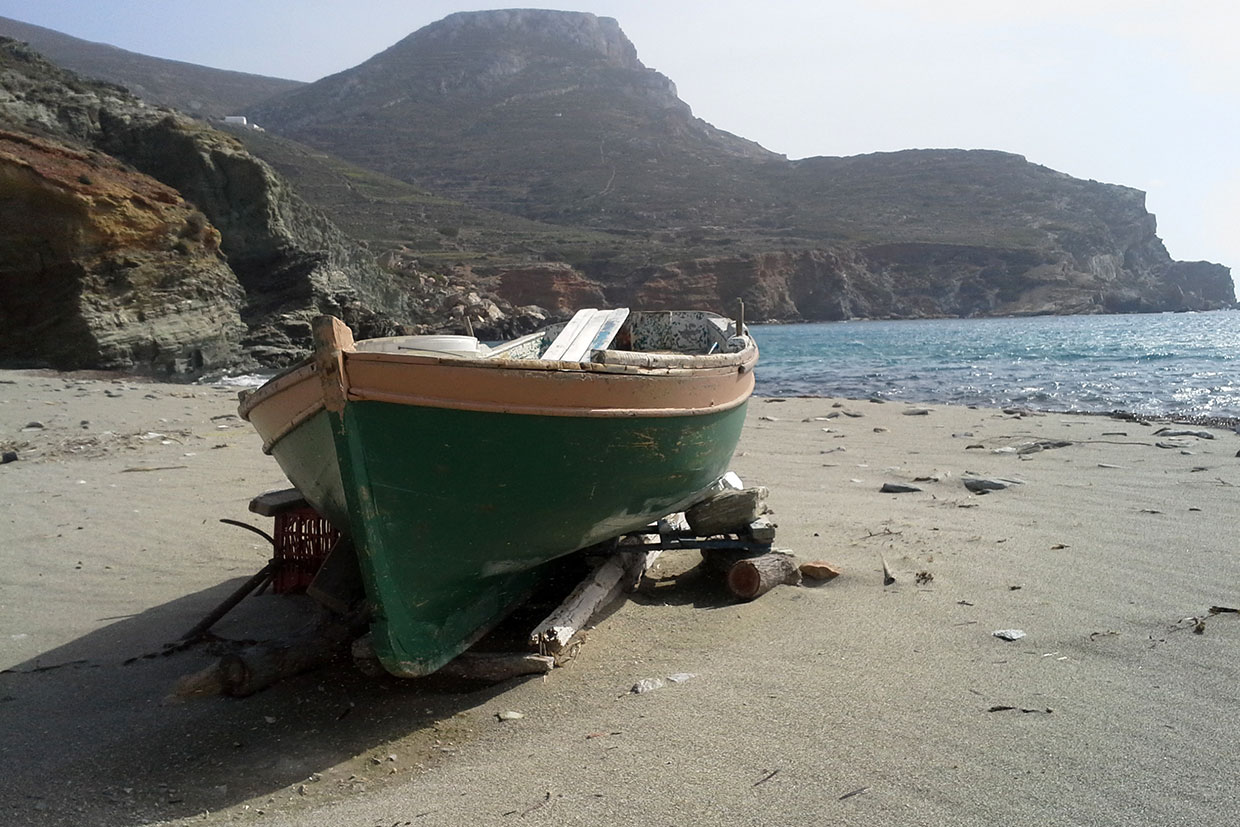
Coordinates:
1176 364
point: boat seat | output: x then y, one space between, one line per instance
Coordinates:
589 330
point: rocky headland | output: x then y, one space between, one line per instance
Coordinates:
507 167
552 115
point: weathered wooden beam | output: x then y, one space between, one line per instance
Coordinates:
496 667
755 576
332 338
264 664
618 573
727 512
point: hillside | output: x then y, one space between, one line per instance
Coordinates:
551 115
395 216
545 114
198 90
532 154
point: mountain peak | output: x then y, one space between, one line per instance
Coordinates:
578 31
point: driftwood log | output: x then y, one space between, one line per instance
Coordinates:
719 561
490 667
755 576
257 667
496 667
618 573
727 512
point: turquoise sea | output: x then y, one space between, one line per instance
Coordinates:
1171 364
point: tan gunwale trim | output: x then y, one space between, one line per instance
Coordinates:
663 385
536 410
292 425
273 386
584 390
653 364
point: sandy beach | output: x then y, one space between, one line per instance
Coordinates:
850 702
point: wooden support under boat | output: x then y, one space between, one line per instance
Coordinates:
493 667
489 667
726 511
259 666
755 576
618 573
727 530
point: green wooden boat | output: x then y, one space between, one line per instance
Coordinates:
459 470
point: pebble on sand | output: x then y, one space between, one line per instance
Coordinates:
820 570
898 488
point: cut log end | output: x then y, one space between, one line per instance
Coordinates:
755 576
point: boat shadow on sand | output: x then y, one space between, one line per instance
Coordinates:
90 733
682 578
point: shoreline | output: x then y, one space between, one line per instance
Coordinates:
1230 423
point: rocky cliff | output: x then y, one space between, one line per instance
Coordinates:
103 267
884 281
256 251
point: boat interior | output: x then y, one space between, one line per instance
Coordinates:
588 335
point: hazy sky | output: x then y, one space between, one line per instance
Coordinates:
1124 91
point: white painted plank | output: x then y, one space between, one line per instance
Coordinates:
607 330
570 333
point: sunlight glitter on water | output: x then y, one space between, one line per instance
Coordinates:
1153 364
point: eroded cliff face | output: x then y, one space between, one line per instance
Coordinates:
285 261
895 281
557 287
292 262
103 267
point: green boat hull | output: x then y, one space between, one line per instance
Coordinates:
453 513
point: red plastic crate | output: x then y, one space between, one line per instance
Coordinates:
303 538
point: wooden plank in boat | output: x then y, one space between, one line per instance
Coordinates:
590 329
569 334
607 330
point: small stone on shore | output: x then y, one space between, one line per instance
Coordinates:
984 485
898 488
819 570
